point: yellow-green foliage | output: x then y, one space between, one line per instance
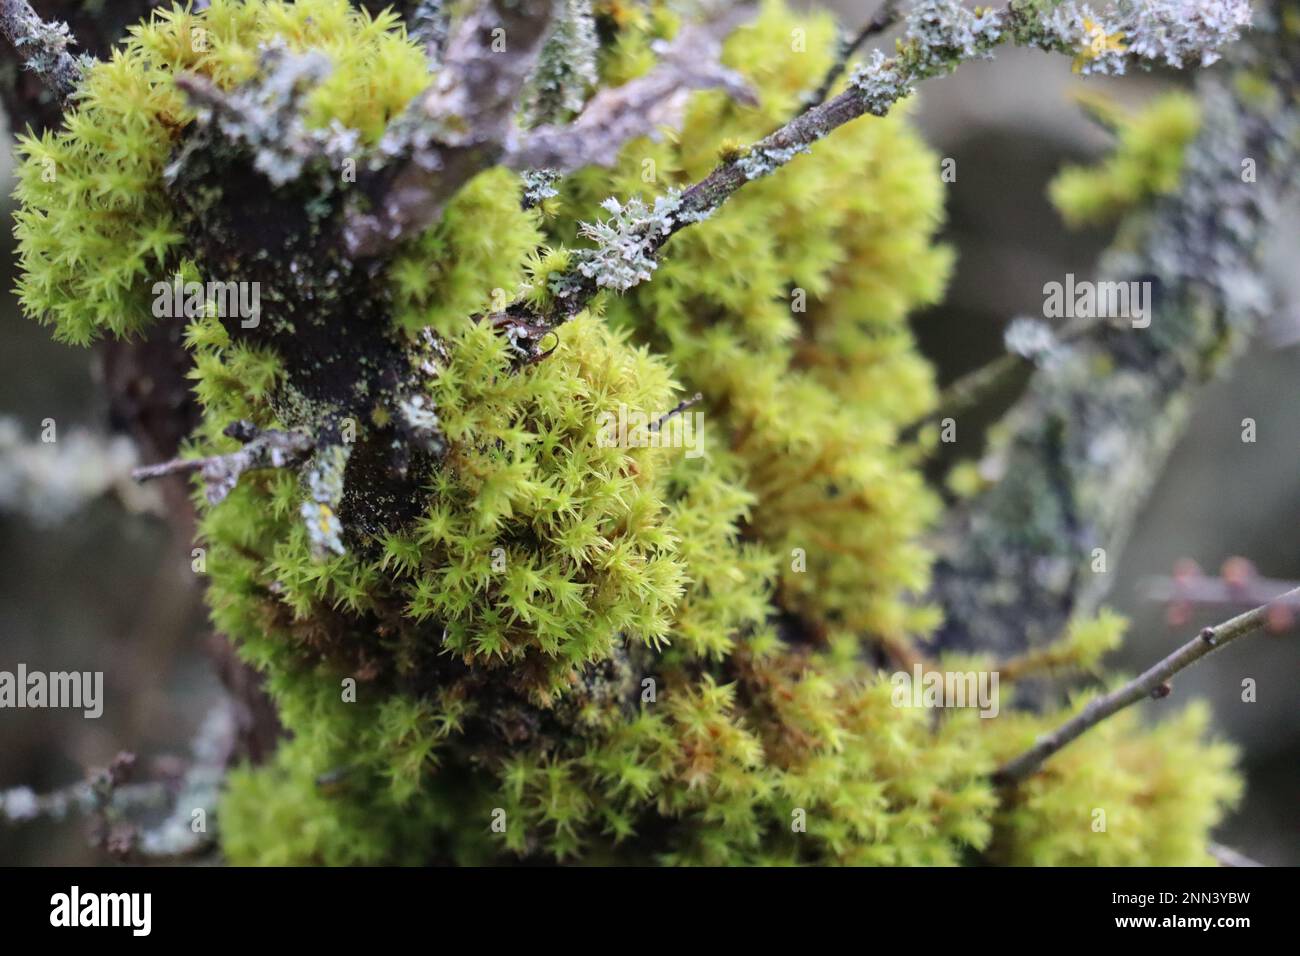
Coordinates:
1118 796
574 649
1146 162
95 227
788 310
468 262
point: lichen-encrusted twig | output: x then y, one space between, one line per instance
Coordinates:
454 129
43 46
1094 427
639 107
1151 683
885 17
112 801
268 449
941 35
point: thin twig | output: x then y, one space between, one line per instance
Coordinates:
885 17
1152 683
1227 856
981 383
269 449
42 45
677 410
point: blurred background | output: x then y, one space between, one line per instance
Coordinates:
95 578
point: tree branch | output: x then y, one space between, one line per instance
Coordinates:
43 46
1151 683
613 117
1085 442
941 35
111 800
1186 590
269 449
456 128
885 17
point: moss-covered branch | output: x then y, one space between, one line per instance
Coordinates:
1081 449
507 607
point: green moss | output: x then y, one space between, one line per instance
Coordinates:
470 261
568 648
1146 162
95 227
1118 796
787 309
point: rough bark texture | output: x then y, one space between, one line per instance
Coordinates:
1093 430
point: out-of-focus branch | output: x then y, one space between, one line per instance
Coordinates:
48 482
188 797
1026 341
639 107
1238 585
456 128
1151 683
1227 856
43 46
1083 446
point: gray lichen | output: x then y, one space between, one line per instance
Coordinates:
1175 33
539 186
766 160
626 243
267 116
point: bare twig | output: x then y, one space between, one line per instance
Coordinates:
269 449
1227 856
639 107
1152 683
885 17
42 45
680 407
1204 590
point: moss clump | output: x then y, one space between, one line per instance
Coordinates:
96 229
1146 163
787 309
567 647
1119 796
